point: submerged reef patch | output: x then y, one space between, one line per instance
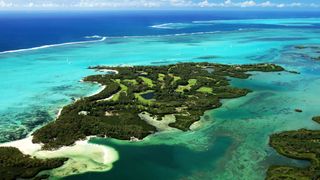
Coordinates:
207 57
309 51
28 121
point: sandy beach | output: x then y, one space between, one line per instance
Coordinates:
108 71
83 156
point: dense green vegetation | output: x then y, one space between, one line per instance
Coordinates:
185 90
301 144
14 164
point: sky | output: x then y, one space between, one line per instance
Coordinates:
158 4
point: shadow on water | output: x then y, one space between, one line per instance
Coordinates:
160 161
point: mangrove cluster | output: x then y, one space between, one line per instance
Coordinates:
184 90
301 144
14 164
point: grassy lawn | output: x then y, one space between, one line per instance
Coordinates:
161 77
123 89
147 81
191 82
205 90
132 81
175 78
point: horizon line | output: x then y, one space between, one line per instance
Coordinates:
161 9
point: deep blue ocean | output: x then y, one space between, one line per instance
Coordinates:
20 30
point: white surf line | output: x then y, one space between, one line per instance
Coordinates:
104 38
93 37
237 20
59 113
53 45
168 25
172 35
102 87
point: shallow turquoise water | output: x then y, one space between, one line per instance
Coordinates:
232 143
162 161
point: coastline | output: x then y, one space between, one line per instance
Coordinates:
102 87
244 124
108 70
83 156
184 117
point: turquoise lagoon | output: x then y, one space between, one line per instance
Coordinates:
229 143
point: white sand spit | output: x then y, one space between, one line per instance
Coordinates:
83 156
108 71
24 145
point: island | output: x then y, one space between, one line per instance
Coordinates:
302 144
184 91
132 102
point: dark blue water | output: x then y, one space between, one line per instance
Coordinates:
20 30
148 96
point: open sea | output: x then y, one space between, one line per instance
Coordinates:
44 55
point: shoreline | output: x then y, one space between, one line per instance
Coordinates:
59 113
83 156
101 88
184 120
108 70
28 140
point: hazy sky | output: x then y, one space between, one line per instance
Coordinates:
158 4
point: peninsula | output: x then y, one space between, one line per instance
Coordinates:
302 144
